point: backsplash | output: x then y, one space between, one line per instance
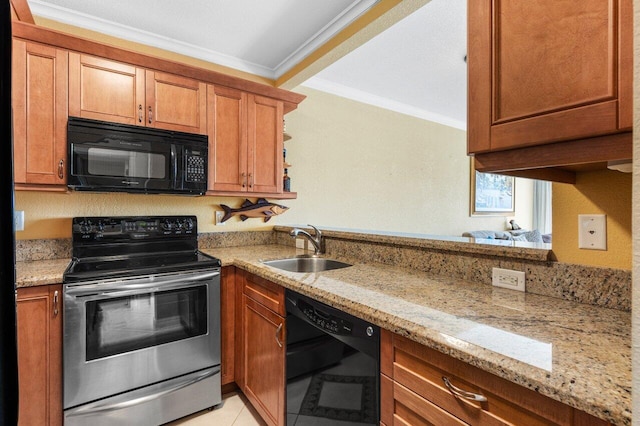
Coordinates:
46 249
607 287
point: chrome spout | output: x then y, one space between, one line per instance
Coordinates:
316 241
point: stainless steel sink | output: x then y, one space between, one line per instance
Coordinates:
306 264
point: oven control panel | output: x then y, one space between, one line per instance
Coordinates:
133 228
325 321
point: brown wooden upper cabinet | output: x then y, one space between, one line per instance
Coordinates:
547 71
39 113
106 90
245 142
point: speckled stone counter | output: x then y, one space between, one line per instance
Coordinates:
575 353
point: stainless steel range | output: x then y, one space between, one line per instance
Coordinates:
141 322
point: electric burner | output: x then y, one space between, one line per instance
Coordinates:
114 247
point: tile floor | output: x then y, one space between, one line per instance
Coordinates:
235 411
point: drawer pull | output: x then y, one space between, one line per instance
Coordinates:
462 393
278 330
61 169
55 303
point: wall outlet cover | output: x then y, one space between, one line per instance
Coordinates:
18 220
219 216
508 278
592 231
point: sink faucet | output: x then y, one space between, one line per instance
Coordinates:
317 241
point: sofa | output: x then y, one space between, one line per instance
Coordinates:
533 236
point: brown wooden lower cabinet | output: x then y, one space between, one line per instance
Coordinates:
227 324
40 355
263 349
413 392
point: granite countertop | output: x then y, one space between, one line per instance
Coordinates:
576 353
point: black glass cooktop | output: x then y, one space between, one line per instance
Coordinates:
115 247
147 264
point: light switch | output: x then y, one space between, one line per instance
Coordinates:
592 231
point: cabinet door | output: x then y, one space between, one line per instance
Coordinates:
264 361
227 123
40 355
265 117
227 321
176 103
547 71
106 90
40 113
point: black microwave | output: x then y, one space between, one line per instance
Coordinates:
110 157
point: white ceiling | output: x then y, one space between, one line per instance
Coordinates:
415 67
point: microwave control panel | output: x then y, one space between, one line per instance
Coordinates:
195 170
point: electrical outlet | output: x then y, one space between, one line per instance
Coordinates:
18 220
219 216
508 278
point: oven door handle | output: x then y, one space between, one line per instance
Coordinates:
122 288
94 408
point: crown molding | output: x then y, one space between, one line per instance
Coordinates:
77 19
93 23
340 22
370 99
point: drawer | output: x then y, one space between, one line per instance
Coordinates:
265 292
421 370
410 409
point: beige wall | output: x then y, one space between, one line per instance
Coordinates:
361 167
48 215
354 166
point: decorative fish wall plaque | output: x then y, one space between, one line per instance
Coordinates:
261 208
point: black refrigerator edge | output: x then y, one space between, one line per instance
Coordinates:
8 345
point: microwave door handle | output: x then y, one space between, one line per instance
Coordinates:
174 162
120 287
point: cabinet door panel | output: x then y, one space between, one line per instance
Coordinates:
264 361
227 123
265 144
547 71
176 103
100 89
552 55
40 356
40 113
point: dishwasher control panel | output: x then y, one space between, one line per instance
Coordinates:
325 321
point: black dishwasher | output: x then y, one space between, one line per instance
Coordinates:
333 365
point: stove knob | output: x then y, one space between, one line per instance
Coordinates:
167 225
85 226
188 225
100 226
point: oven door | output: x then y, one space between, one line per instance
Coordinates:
125 334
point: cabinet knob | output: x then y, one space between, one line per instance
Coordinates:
140 113
250 180
61 169
150 115
243 180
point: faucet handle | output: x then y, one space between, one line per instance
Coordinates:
318 234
